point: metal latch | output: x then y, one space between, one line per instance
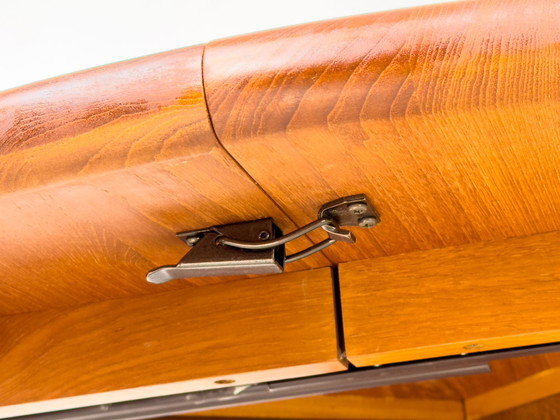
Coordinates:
257 247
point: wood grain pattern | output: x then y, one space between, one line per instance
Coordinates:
450 301
545 409
446 116
344 406
513 385
247 331
99 169
504 372
533 388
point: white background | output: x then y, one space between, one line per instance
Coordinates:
40 39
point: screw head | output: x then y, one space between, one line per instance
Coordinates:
224 381
475 346
367 222
264 235
192 241
357 208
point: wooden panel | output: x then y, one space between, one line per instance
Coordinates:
545 409
345 406
455 300
536 387
524 376
512 383
245 331
504 372
446 116
99 169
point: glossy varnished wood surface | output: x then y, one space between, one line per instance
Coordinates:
242 332
450 301
504 373
99 169
545 409
446 116
512 385
501 399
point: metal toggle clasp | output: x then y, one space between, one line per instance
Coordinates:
257 247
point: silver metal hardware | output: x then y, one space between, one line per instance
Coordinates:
257 247
357 208
209 258
367 222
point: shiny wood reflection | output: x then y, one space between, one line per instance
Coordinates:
446 116
99 169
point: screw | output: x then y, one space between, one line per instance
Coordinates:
224 381
192 241
357 208
367 222
264 235
473 346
